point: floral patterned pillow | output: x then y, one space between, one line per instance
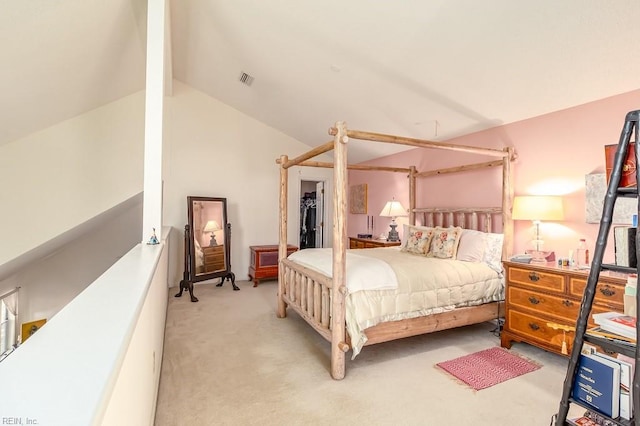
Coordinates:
444 243
417 240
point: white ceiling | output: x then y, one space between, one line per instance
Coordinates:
431 69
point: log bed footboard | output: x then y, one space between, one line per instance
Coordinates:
309 293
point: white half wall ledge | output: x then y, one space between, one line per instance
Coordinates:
66 372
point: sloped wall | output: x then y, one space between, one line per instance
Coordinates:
60 177
213 150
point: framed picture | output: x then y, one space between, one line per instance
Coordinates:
358 199
28 328
595 191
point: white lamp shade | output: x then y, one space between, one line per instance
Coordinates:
211 226
538 207
393 209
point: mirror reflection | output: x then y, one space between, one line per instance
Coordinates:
209 239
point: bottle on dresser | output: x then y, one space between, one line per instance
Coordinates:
582 254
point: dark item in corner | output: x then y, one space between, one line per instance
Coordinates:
365 235
628 173
624 238
186 284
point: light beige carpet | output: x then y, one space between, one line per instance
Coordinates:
229 361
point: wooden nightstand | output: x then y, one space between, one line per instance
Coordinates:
264 262
361 243
538 294
213 258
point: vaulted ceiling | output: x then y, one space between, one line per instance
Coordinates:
428 69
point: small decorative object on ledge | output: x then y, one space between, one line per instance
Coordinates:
153 240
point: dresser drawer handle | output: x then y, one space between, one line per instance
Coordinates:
534 277
534 326
567 303
607 291
533 300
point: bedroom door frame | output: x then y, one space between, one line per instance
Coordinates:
314 174
321 214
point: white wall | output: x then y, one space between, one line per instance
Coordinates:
97 361
77 169
135 392
62 176
48 284
213 150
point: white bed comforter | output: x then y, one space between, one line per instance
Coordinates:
363 272
425 286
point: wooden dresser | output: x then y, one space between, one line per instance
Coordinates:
213 258
264 262
361 243
540 294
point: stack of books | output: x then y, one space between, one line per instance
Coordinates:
617 323
604 383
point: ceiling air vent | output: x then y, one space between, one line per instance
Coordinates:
246 79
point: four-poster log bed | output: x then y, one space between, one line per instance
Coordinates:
320 299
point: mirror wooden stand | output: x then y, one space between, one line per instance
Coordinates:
207 243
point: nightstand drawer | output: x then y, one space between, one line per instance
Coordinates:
536 329
556 306
609 295
546 281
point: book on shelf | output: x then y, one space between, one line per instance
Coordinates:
626 382
616 322
597 384
583 421
614 337
624 238
599 419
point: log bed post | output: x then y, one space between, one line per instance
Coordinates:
338 344
282 248
412 196
507 203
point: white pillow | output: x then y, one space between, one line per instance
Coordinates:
493 251
472 246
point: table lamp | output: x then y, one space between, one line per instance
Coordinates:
212 226
538 208
393 209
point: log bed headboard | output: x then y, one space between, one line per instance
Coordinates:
480 218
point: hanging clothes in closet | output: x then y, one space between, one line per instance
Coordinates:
308 220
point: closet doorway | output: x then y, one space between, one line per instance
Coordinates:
311 214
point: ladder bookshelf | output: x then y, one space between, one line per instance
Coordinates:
614 191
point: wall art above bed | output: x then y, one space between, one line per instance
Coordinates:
358 199
595 191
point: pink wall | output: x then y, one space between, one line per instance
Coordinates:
554 153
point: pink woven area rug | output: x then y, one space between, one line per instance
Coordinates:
489 367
